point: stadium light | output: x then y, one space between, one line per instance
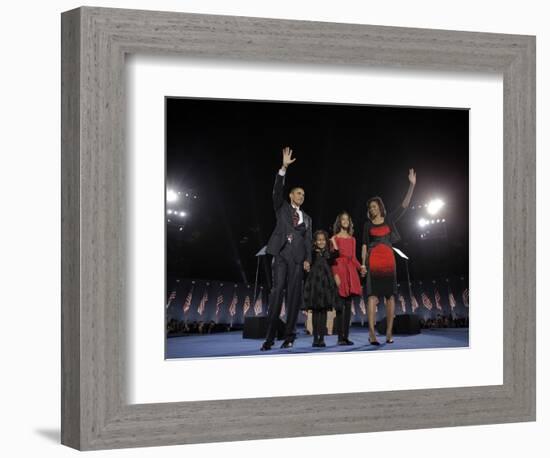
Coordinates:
422 222
434 206
171 196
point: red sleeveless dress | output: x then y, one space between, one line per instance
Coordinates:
346 267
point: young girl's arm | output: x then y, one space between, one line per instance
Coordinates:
355 260
332 255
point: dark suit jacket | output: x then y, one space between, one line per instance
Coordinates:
301 244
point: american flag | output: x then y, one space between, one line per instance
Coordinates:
282 315
403 303
202 304
246 304
438 300
171 298
466 298
414 303
233 305
259 305
452 301
219 302
426 301
188 300
362 306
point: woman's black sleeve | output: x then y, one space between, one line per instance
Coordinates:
366 234
397 213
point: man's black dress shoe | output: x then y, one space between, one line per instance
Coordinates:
287 344
266 346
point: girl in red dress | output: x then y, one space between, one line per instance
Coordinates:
346 273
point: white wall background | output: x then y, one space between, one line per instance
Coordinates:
30 229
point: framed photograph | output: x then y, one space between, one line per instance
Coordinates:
276 228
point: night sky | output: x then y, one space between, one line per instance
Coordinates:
227 154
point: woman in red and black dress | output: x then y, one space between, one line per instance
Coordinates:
379 234
345 269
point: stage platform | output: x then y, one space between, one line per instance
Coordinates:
233 344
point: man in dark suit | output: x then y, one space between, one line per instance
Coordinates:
290 245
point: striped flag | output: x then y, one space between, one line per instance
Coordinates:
452 301
414 303
282 315
171 298
466 297
246 305
362 305
438 300
259 305
188 300
426 301
233 305
219 302
403 303
202 304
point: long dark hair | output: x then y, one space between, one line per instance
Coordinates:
337 227
381 206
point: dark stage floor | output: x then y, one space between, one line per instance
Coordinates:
232 343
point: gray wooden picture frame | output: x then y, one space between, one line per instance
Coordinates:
95 413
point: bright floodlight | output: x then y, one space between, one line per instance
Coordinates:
422 222
434 206
171 196
182 214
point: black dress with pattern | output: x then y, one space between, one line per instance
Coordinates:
320 290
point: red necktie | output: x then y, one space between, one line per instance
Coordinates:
295 218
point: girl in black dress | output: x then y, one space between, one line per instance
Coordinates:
320 292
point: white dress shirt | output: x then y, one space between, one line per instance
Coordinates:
300 215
